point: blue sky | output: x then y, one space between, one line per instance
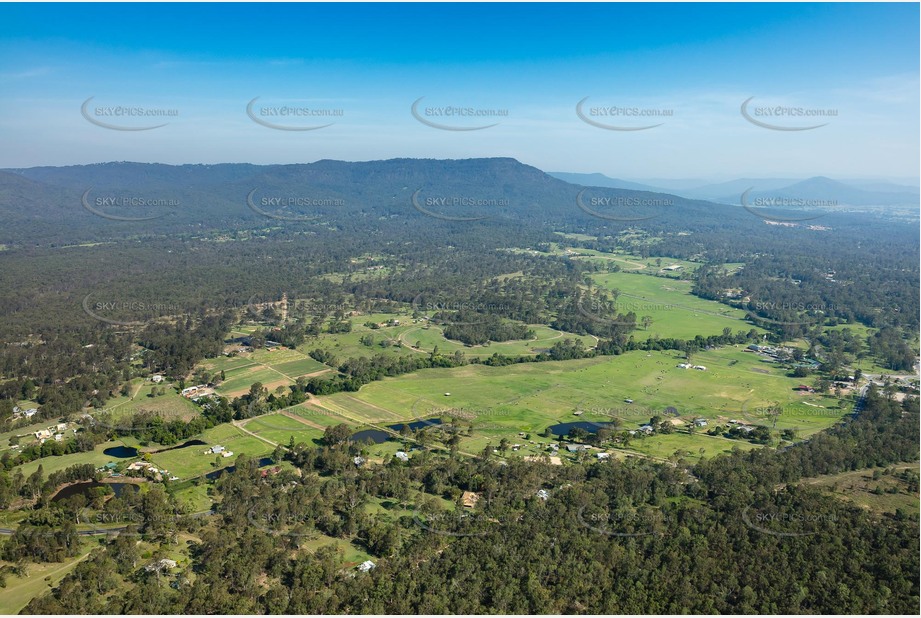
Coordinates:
695 63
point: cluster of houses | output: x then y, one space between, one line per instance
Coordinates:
53 431
777 354
690 366
148 469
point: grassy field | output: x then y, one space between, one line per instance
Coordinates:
53 464
192 461
858 487
429 336
169 406
675 312
503 401
39 579
281 427
272 367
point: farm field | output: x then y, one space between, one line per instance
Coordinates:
272 367
674 310
192 460
280 427
625 261
503 401
168 406
544 337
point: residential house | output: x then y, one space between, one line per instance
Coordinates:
469 499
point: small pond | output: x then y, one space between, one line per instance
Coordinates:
562 429
263 462
183 445
121 452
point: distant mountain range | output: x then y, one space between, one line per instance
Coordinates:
147 198
108 201
817 190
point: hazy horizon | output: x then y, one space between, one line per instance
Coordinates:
657 98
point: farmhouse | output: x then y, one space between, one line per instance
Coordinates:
401 455
43 434
159 565
156 379
214 450
188 392
469 499
366 566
